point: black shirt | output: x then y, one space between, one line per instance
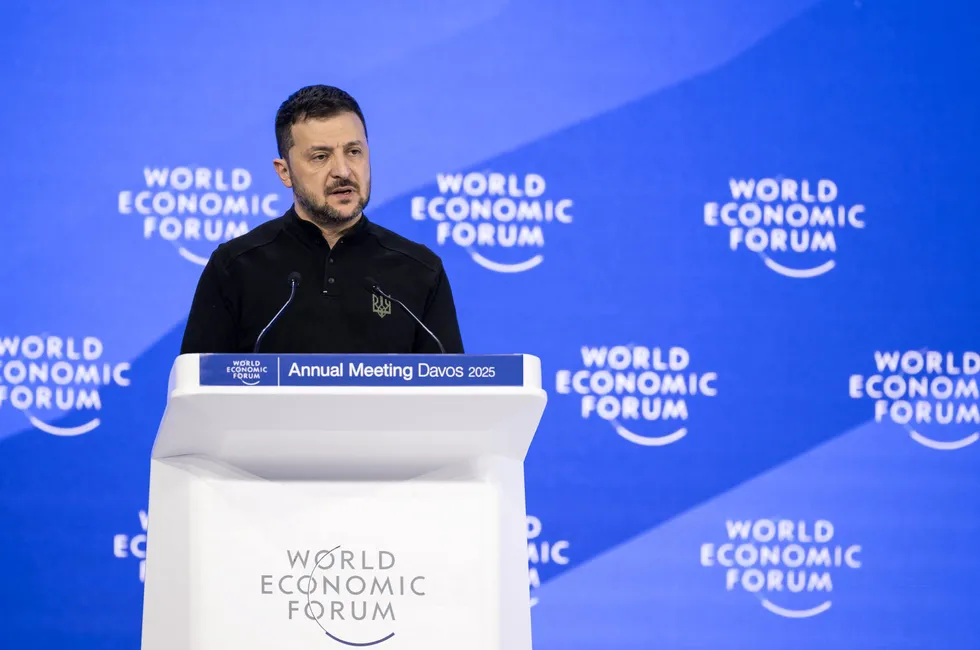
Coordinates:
245 283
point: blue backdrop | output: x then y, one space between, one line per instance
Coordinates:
741 236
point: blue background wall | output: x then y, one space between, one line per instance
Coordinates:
641 116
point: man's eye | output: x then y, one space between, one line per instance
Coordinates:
355 152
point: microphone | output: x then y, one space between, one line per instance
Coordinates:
294 280
372 285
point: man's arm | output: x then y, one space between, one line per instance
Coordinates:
440 317
211 324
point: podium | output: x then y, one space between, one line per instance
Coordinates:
339 501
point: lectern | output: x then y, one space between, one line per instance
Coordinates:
338 501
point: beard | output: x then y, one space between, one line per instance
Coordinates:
325 215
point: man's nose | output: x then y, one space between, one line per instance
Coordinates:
340 168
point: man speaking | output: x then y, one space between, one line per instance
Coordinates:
322 278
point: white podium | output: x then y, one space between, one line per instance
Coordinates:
338 501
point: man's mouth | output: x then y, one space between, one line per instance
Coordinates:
343 192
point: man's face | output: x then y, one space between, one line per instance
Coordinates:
328 169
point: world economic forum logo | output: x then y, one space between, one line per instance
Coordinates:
352 595
789 565
499 219
794 226
932 394
542 553
126 546
631 387
52 377
249 372
237 370
196 208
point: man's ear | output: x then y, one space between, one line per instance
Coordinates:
282 170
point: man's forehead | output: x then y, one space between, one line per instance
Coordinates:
330 131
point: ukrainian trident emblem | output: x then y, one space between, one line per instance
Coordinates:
380 305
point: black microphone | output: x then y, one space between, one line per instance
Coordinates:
294 280
372 285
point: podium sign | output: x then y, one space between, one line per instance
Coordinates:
361 370
338 501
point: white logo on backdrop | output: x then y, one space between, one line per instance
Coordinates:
786 219
783 561
931 394
48 377
628 385
486 213
197 208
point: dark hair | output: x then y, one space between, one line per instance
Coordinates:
312 102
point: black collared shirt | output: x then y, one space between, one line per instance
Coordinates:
245 283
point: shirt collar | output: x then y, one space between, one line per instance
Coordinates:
311 234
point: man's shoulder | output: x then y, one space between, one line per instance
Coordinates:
414 251
263 234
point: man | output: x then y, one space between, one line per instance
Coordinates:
326 238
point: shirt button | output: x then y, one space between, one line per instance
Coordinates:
329 280
330 260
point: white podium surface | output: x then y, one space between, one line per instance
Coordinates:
338 501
